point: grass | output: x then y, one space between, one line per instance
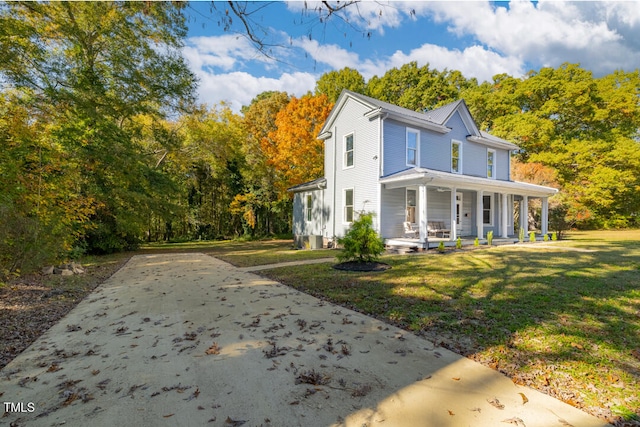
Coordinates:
565 321
245 253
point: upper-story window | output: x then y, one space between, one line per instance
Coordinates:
491 163
413 145
456 157
348 151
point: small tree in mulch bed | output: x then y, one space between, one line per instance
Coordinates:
362 246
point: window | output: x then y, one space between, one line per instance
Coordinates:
413 142
456 157
487 211
348 151
348 205
491 158
411 206
309 207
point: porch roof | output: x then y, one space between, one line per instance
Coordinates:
423 176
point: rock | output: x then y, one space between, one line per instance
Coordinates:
64 269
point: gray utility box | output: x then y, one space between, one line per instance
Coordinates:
315 242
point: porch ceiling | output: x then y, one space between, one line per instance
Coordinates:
433 178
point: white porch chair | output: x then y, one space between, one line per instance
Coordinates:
409 231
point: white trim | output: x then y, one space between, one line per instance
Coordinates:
344 205
353 150
459 143
493 163
416 176
422 212
406 152
504 215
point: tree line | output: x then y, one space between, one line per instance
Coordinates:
104 147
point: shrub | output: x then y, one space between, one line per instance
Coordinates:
476 242
361 243
458 243
490 237
26 244
532 236
545 237
554 236
521 235
441 247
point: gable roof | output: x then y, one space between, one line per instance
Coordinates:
435 119
378 108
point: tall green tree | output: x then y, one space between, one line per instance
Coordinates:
418 88
333 82
260 207
97 66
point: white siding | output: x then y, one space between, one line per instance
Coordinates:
392 212
363 176
315 227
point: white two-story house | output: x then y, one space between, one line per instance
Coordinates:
411 167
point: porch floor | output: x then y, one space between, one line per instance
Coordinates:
434 242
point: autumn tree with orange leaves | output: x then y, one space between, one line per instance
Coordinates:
282 150
293 149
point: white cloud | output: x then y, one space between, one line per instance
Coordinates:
226 52
596 34
216 61
600 35
239 88
474 61
331 54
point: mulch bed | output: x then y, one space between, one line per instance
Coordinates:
362 266
31 304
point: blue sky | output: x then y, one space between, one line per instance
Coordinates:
479 38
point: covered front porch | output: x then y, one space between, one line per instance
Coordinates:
434 242
413 201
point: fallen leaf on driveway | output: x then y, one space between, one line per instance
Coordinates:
234 423
214 349
524 398
168 416
496 403
515 421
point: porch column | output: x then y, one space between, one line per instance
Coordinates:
454 226
479 219
504 229
545 216
524 214
422 211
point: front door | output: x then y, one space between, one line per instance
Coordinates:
463 219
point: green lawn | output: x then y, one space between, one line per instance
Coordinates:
244 253
566 322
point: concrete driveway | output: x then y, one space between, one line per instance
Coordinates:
188 340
